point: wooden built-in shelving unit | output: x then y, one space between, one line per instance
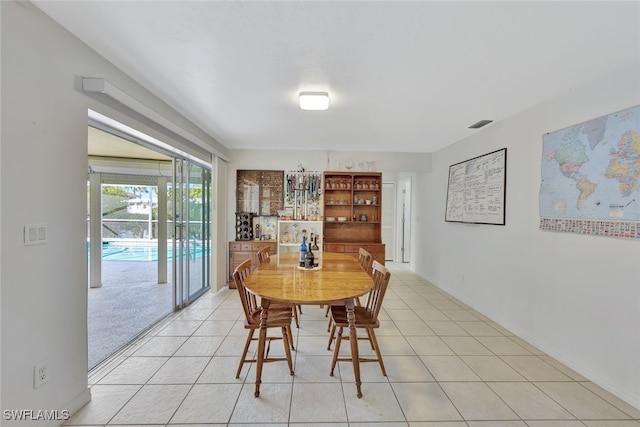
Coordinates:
352 213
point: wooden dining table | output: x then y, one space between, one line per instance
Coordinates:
339 279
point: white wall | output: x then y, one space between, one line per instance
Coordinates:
43 176
575 297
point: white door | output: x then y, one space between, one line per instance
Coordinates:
389 219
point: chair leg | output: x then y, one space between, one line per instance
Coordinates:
244 352
287 351
376 347
290 338
369 332
294 311
326 310
336 350
332 334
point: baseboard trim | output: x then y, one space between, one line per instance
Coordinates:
78 402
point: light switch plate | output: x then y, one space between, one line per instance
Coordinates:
35 234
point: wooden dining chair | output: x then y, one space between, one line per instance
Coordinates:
366 260
277 318
366 317
264 255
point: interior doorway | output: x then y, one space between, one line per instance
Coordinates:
389 220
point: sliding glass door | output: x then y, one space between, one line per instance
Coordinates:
192 234
148 233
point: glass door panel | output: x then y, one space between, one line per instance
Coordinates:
191 260
198 238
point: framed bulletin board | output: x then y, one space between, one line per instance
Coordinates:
260 192
477 189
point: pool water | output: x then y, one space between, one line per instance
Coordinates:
111 252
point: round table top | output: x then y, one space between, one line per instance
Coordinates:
339 278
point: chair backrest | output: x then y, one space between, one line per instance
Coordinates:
249 304
365 259
263 254
381 276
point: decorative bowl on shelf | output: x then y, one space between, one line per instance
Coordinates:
330 219
342 218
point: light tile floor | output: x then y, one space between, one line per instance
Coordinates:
447 366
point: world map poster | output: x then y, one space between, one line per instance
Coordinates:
591 177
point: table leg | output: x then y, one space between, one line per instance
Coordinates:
262 338
353 340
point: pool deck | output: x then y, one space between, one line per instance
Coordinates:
129 301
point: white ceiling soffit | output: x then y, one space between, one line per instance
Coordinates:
402 76
104 144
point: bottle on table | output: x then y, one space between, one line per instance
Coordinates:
303 251
309 258
316 259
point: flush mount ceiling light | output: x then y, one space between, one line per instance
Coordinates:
314 100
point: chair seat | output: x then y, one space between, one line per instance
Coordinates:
277 317
364 317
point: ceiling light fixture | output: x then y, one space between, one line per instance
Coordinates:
314 100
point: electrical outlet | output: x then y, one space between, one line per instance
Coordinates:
40 374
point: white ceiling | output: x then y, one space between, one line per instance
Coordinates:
402 76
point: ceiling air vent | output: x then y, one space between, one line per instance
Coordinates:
480 124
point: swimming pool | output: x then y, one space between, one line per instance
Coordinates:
122 252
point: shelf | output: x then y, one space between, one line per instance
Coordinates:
338 202
287 226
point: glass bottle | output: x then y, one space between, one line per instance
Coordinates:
309 258
315 246
303 251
